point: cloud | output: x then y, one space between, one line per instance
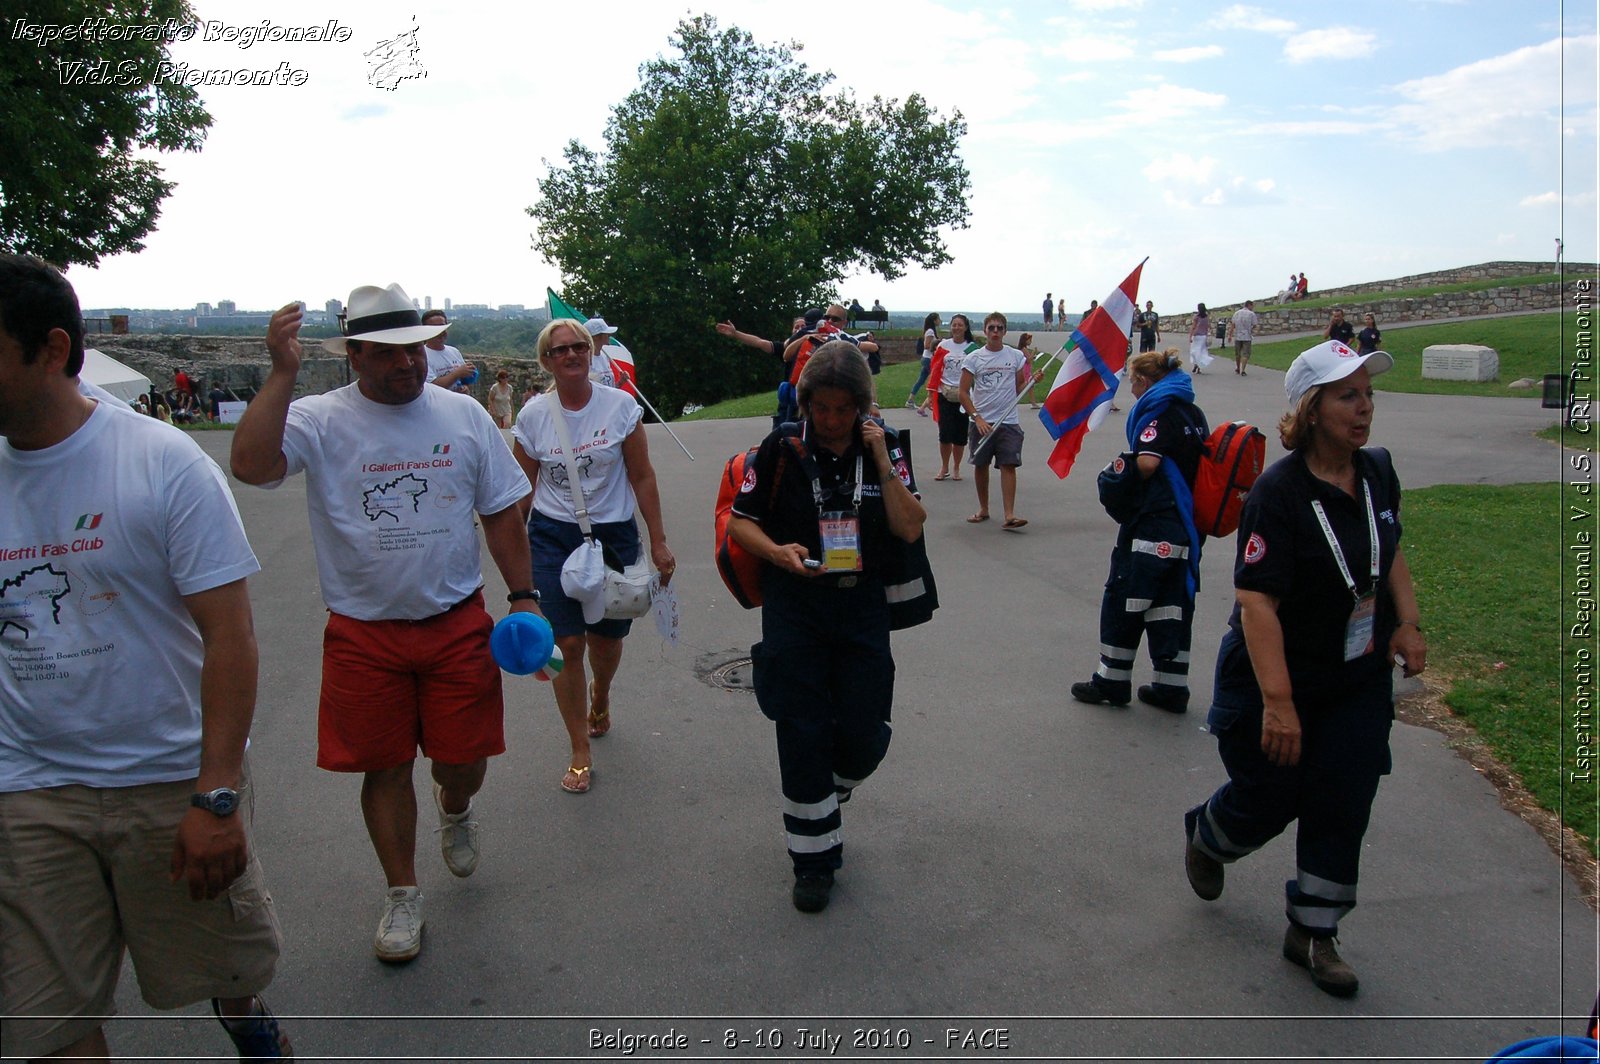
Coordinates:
1189 55
1510 99
363 110
1338 42
1181 167
1145 106
1086 48
1242 192
1315 128
1244 17
1106 5
1554 199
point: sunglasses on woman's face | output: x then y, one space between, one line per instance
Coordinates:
568 349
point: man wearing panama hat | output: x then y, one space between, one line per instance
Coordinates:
396 472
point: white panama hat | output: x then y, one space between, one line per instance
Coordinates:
383 316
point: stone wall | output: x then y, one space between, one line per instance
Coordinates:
240 364
1279 318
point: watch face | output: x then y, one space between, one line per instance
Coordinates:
222 801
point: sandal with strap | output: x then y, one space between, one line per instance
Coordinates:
599 723
580 779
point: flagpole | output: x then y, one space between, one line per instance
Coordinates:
640 395
1015 402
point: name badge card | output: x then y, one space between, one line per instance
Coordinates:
1358 632
841 543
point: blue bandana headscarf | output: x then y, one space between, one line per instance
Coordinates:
1178 386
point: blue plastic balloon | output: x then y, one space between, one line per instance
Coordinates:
471 378
521 643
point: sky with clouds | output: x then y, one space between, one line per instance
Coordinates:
1230 143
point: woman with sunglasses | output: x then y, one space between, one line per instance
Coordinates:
615 475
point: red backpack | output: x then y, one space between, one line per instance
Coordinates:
740 570
1230 463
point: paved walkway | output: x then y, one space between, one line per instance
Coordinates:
1015 864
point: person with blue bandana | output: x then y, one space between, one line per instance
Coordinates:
1156 562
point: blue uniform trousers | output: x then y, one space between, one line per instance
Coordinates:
1147 597
1344 755
823 674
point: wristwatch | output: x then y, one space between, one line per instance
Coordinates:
220 802
519 596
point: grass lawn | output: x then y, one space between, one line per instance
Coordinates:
1487 564
1578 441
1529 345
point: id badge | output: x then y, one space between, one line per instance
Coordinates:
1358 632
841 543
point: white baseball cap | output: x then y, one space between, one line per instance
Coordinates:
598 327
1330 361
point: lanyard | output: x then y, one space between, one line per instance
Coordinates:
1333 541
816 487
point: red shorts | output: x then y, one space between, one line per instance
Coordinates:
389 687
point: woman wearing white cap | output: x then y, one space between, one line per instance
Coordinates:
1304 688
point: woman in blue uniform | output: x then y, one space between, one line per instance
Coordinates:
1304 689
819 508
1155 564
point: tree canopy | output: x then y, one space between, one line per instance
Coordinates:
735 184
76 111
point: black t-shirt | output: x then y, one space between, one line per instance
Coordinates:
1282 552
1369 340
1178 432
1149 322
789 514
1343 332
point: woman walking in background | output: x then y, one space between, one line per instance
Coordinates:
948 359
925 345
1369 339
1200 339
1150 591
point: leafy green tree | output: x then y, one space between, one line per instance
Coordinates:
75 112
736 185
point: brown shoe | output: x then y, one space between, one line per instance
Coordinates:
1205 872
1318 955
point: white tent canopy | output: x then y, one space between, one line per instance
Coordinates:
122 381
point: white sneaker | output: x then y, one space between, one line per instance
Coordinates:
911 404
458 836
399 936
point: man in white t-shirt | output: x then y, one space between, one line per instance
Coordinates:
446 367
1242 328
992 378
127 689
395 472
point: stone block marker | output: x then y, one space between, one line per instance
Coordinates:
1460 362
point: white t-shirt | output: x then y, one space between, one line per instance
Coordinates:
99 659
930 342
955 356
443 361
596 432
994 382
392 491
1244 324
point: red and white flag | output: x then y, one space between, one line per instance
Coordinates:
1083 388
